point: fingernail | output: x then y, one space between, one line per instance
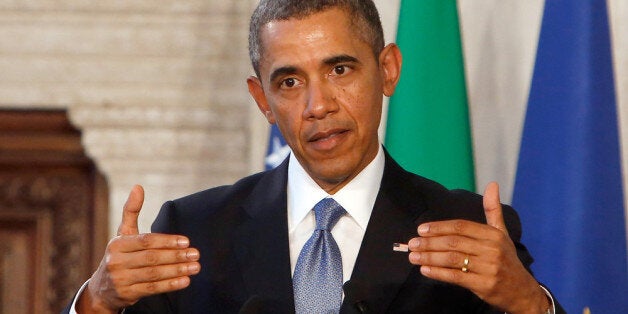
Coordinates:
414 243
415 257
183 242
181 282
192 255
425 228
194 268
425 270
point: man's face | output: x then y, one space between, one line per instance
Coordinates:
320 82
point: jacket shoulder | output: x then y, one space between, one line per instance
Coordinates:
442 203
203 208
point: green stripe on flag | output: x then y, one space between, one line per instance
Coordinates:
428 129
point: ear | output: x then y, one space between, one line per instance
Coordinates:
257 92
390 65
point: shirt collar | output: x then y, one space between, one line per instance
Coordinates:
357 197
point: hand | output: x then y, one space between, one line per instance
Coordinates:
137 265
495 273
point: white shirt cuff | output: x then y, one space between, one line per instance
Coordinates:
551 298
78 294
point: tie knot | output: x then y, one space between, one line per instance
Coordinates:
327 213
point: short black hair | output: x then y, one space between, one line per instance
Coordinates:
363 14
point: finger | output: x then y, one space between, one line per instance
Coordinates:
452 260
439 259
446 243
493 207
147 241
141 290
148 258
454 227
157 273
131 211
455 276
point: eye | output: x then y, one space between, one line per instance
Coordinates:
289 82
340 69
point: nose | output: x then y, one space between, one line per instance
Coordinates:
321 100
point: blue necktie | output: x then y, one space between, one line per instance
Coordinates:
318 274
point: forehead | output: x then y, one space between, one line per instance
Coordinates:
312 38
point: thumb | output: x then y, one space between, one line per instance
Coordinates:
493 207
132 207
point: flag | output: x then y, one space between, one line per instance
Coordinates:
277 149
427 130
568 187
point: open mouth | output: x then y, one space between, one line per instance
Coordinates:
328 139
322 136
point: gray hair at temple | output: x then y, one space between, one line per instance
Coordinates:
364 17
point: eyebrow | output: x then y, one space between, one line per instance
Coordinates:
282 71
340 59
286 70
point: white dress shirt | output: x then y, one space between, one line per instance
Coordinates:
357 198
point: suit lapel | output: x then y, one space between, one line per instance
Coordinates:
379 271
262 244
262 247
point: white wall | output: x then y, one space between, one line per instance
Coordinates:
157 87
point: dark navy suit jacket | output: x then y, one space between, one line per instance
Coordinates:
241 231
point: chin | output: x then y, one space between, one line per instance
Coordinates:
333 175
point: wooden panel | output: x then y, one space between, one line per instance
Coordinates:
39 139
25 258
27 120
53 212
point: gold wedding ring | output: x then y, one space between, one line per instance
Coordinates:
465 265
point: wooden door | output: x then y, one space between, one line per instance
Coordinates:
53 211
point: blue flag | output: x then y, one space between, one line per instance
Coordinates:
568 189
277 149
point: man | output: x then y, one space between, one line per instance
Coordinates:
322 69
